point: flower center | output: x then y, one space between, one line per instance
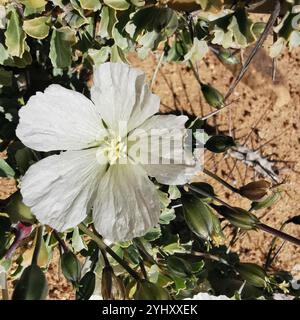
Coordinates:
114 148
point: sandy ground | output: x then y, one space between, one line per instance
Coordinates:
277 136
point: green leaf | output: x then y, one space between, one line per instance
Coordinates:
34 4
76 19
153 234
9 61
37 28
163 199
5 77
167 216
14 35
197 51
174 193
5 169
150 291
90 4
107 22
99 56
61 43
179 267
117 55
117 4
77 242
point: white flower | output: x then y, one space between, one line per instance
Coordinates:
206 296
96 297
62 189
2 17
281 296
2 277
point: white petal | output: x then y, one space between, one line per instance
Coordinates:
127 203
59 119
168 159
121 94
59 189
173 174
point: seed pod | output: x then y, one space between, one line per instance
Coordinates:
106 283
32 285
253 274
295 220
240 218
212 96
149 291
204 187
70 267
266 203
86 286
219 143
112 287
198 216
255 191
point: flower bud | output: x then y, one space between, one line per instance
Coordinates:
70 267
212 96
267 202
86 286
219 143
112 287
22 231
149 291
255 191
238 217
198 216
253 274
32 285
18 211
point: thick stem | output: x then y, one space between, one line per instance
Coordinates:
220 180
60 241
260 226
37 247
103 246
278 233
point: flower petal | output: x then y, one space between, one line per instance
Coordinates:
59 189
121 94
127 203
59 119
166 159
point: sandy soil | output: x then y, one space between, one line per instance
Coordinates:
277 136
255 97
